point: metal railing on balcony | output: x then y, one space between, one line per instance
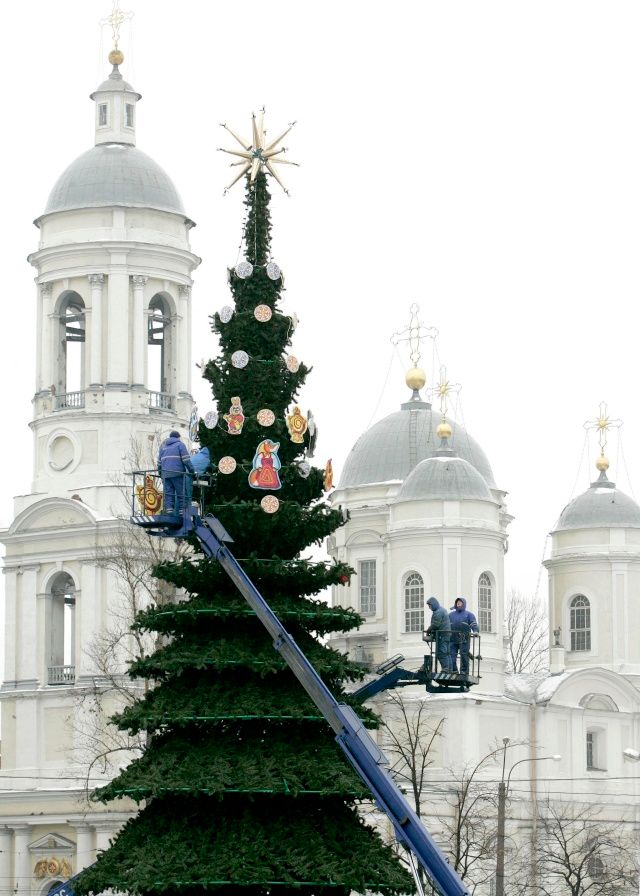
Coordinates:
61 675
161 401
69 400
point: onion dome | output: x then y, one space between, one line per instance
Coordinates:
394 446
602 506
444 478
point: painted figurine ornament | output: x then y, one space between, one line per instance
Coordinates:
266 464
297 425
235 417
328 476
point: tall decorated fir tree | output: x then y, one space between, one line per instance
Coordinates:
242 787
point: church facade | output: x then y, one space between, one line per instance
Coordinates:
113 272
425 517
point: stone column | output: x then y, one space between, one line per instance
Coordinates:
6 851
139 330
44 374
118 322
182 350
23 871
87 617
10 670
95 345
85 853
104 833
26 624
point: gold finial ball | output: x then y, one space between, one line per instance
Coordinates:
116 57
602 463
443 430
415 378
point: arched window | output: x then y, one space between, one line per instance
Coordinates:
159 352
414 603
485 603
70 378
580 623
61 630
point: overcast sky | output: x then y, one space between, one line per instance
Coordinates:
478 158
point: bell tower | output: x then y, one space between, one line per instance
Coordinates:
113 272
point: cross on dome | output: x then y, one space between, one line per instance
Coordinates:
443 389
414 334
602 424
116 19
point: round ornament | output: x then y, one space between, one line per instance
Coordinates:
240 359
211 419
266 417
273 271
293 364
227 464
270 504
344 580
244 269
262 313
304 468
225 314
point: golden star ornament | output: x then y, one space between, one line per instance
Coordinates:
258 154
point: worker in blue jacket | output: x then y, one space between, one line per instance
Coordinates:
440 631
463 622
176 469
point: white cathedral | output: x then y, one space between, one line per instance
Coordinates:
114 273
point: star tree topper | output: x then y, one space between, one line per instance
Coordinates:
257 154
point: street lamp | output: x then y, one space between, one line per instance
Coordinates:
503 791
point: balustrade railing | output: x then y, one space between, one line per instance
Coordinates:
162 401
69 400
62 675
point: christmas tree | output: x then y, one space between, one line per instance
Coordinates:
242 786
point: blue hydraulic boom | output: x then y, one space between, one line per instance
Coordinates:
360 749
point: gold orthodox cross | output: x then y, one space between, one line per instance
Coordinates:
602 424
115 20
414 335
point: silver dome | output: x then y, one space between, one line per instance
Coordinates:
601 506
445 478
114 174
395 445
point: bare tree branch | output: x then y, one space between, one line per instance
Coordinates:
527 630
583 854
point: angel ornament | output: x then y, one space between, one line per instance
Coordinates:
297 425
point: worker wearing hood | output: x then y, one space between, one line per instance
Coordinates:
440 630
463 622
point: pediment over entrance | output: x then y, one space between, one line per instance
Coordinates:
52 843
53 513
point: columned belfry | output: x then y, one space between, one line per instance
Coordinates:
113 271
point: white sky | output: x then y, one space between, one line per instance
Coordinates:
478 158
